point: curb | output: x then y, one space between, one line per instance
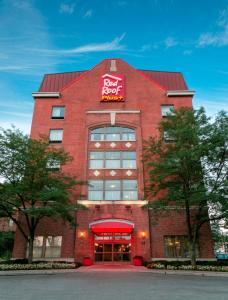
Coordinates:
191 273
37 272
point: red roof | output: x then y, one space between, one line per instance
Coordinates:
168 80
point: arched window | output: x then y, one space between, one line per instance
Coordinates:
114 133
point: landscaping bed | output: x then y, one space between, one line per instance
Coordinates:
214 266
11 266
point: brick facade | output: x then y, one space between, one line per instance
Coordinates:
141 111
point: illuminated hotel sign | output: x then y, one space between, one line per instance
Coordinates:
112 88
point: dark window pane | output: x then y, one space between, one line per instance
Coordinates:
58 112
112 164
97 137
113 129
95 185
56 135
112 195
95 195
96 164
98 130
129 164
126 129
167 110
96 155
128 155
128 137
112 155
130 195
112 185
129 184
112 137
176 246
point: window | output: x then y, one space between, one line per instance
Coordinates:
58 112
176 246
56 136
47 247
114 133
167 110
96 189
112 160
53 165
169 137
112 190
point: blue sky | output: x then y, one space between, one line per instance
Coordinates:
48 36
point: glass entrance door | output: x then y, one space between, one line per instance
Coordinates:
112 247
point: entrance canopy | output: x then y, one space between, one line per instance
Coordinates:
111 225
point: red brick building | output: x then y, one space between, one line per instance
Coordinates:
101 117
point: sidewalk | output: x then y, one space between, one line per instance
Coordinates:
114 269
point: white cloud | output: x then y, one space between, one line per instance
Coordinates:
88 14
96 47
146 47
24 126
214 39
212 103
170 42
22 27
218 38
187 52
17 114
67 8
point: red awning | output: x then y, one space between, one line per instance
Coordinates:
112 226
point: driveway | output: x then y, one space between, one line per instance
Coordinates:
112 286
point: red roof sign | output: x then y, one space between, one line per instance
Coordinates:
112 88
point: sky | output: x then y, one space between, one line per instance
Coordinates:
49 36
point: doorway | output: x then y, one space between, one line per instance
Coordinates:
112 247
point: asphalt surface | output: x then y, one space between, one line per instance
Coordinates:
110 286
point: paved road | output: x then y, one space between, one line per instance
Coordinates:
110 286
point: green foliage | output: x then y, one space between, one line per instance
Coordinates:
6 244
39 266
190 172
32 189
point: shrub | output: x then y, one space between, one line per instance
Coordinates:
185 265
39 266
6 244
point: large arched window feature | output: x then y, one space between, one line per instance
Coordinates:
114 133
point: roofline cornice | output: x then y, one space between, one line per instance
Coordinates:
46 94
180 93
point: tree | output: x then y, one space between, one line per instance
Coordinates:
220 236
188 169
33 186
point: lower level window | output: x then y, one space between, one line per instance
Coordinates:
176 246
113 190
47 246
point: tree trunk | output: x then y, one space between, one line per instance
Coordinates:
192 248
30 249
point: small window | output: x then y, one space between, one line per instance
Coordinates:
96 190
56 136
112 160
58 112
53 246
176 246
113 190
167 110
114 133
169 137
47 247
53 165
